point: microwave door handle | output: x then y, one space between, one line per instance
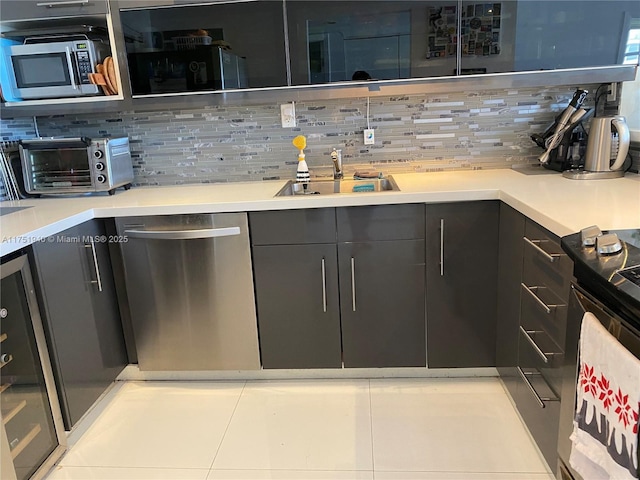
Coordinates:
73 68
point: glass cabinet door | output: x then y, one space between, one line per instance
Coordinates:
218 46
28 419
336 41
530 35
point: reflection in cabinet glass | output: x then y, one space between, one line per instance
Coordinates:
333 41
205 47
525 35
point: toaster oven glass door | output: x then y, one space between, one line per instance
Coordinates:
59 168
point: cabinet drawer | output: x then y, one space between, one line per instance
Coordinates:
541 309
542 422
381 222
534 346
545 263
36 9
292 227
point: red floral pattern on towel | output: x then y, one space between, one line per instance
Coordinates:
602 390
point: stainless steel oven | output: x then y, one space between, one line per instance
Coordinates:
607 285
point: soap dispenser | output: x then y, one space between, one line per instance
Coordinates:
302 173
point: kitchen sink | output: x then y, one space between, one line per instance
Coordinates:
8 210
332 187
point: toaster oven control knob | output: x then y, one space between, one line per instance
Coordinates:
101 178
99 166
98 154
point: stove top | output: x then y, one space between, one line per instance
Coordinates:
609 267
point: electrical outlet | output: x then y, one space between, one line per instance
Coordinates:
369 136
288 115
613 92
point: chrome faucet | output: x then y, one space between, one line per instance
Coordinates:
336 158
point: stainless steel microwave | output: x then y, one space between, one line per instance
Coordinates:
75 165
54 69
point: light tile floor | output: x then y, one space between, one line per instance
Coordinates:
384 429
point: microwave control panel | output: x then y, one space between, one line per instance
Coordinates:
84 64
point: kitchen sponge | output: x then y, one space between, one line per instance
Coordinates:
365 187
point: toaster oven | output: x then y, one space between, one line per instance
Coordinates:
76 165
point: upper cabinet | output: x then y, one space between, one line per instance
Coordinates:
169 48
337 41
216 46
44 9
530 35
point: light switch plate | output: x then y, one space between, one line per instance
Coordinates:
369 136
288 115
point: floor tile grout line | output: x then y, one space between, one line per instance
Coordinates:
373 459
244 385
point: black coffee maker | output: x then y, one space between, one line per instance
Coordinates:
565 140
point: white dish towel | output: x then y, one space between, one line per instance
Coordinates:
605 426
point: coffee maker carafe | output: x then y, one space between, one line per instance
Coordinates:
607 149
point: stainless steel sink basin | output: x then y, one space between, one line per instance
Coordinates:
332 187
8 210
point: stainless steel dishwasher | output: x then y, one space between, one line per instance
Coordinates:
190 287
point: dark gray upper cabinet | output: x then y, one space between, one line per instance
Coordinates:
48 9
81 316
206 47
526 35
335 41
462 261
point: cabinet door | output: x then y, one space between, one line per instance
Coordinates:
206 46
337 40
297 304
510 257
37 9
382 303
462 259
82 322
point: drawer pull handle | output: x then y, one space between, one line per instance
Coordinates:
66 3
535 244
539 399
532 291
527 334
324 288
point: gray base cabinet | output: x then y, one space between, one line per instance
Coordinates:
81 316
382 303
462 259
298 305
510 260
338 286
533 291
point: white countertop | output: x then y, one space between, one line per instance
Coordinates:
561 205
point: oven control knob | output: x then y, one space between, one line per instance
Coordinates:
101 178
608 244
98 154
99 166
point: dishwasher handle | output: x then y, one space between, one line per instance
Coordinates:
183 234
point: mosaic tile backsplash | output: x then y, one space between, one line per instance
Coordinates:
470 130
